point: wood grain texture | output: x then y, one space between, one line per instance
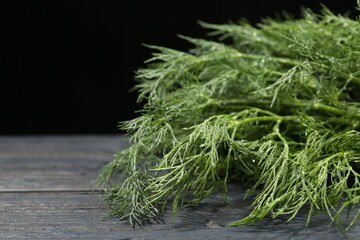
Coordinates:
55 161
46 192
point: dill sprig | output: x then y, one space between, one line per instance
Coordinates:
274 106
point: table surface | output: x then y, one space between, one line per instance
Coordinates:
47 192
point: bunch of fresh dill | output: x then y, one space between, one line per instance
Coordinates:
275 107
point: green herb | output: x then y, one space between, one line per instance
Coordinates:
275 107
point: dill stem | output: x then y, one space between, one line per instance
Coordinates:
348 77
291 103
282 60
286 61
326 108
264 119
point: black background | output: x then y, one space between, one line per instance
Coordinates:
67 66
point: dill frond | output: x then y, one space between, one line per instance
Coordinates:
276 106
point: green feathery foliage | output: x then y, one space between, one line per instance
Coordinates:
275 107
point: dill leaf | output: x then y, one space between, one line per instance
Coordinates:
274 106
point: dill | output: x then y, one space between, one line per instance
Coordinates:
274 106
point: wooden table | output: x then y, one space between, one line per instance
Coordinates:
47 192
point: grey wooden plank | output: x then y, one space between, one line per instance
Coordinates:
46 194
80 216
55 216
36 162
